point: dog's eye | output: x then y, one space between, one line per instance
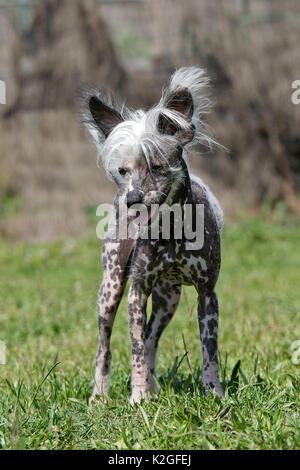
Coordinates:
123 171
156 168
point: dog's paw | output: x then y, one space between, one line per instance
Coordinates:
95 400
138 395
214 388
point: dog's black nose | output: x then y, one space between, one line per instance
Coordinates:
134 197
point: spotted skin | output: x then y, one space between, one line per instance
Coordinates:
110 294
137 301
208 313
165 299
159 267
115 262
169 260
150 167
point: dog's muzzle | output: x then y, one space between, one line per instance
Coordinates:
134 197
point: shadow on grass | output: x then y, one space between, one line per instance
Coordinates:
175 381
192 382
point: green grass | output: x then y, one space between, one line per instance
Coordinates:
49 323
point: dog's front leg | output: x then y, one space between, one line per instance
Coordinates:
107 307
137 301
115 257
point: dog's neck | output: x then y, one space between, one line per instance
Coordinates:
182 194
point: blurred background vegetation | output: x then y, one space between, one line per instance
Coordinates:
49 184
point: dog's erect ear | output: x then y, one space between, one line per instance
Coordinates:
176 118
100 115
180 100
105 117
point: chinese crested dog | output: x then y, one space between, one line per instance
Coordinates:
146 154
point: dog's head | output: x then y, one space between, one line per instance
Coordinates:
143 151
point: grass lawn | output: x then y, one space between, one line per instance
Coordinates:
49 323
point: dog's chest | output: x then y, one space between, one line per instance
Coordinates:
178 266
187 270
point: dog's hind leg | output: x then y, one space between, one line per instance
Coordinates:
115 256
165 299
208 313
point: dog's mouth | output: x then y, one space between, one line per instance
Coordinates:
143 217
